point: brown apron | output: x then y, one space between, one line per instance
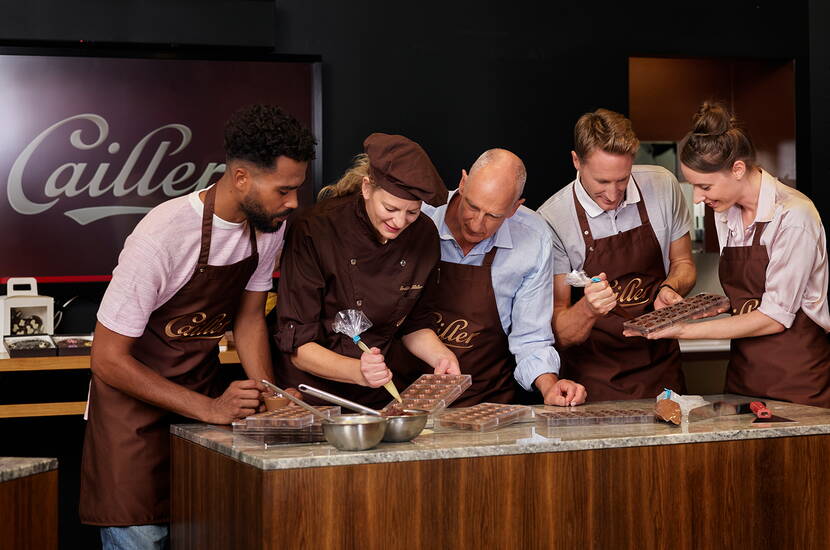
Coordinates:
793 365
609 365
125 470
468 323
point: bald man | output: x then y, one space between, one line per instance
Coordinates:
495 293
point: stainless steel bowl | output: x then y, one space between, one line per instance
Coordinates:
354 432
405 427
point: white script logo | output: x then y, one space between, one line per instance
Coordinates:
75 184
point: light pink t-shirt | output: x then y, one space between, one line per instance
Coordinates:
160 256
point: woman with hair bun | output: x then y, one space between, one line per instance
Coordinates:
773 267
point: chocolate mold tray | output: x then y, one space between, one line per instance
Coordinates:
483 417
579 417
677 313
432 392
288 417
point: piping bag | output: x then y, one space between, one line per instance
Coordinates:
352 322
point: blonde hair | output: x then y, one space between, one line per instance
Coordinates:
604 130
717 140
351 180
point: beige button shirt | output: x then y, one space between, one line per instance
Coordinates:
796 276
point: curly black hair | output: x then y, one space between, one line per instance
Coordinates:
261 133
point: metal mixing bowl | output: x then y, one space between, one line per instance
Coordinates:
354 432
405 427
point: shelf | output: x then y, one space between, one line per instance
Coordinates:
74 362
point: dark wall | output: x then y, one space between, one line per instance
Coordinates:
464 76
819 106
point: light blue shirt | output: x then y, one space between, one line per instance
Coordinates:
522 281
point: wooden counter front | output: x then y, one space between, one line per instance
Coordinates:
29 511
751 493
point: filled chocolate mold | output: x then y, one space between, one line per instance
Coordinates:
700 304
482 417
292 417
432 392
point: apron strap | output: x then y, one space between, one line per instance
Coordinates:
583 220
759 230
489 257
641 204
207 227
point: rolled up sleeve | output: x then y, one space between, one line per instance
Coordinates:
792 256
301 290
531 337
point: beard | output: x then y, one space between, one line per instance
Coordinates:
260 219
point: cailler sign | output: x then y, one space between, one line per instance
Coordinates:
72 179
88 145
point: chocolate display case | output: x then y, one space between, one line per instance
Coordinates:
431 392
30 346
681 312
582 417
73 344
483 417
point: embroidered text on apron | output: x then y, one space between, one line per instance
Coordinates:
793 365
609 365
125 470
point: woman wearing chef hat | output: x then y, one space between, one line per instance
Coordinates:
365 246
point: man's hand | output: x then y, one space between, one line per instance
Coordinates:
448 365
599 297
241 399
666 297
373 369
560 392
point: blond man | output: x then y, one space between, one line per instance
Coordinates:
628 228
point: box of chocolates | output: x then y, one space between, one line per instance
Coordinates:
586 417
74 344
292 417
681 312
483 417
431 392
29 346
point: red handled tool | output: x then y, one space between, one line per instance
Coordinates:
760 409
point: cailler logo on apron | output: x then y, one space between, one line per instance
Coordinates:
197 325
632 294
748 306
454 333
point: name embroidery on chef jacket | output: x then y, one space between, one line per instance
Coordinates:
198 325
454 334
632 294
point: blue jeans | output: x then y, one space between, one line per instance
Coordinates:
135 537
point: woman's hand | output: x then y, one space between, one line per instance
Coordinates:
373 369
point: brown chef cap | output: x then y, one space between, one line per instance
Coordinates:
401 167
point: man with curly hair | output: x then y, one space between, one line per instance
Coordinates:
194 267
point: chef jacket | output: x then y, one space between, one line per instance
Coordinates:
334 261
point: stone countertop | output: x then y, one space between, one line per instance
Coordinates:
523 438
17 467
